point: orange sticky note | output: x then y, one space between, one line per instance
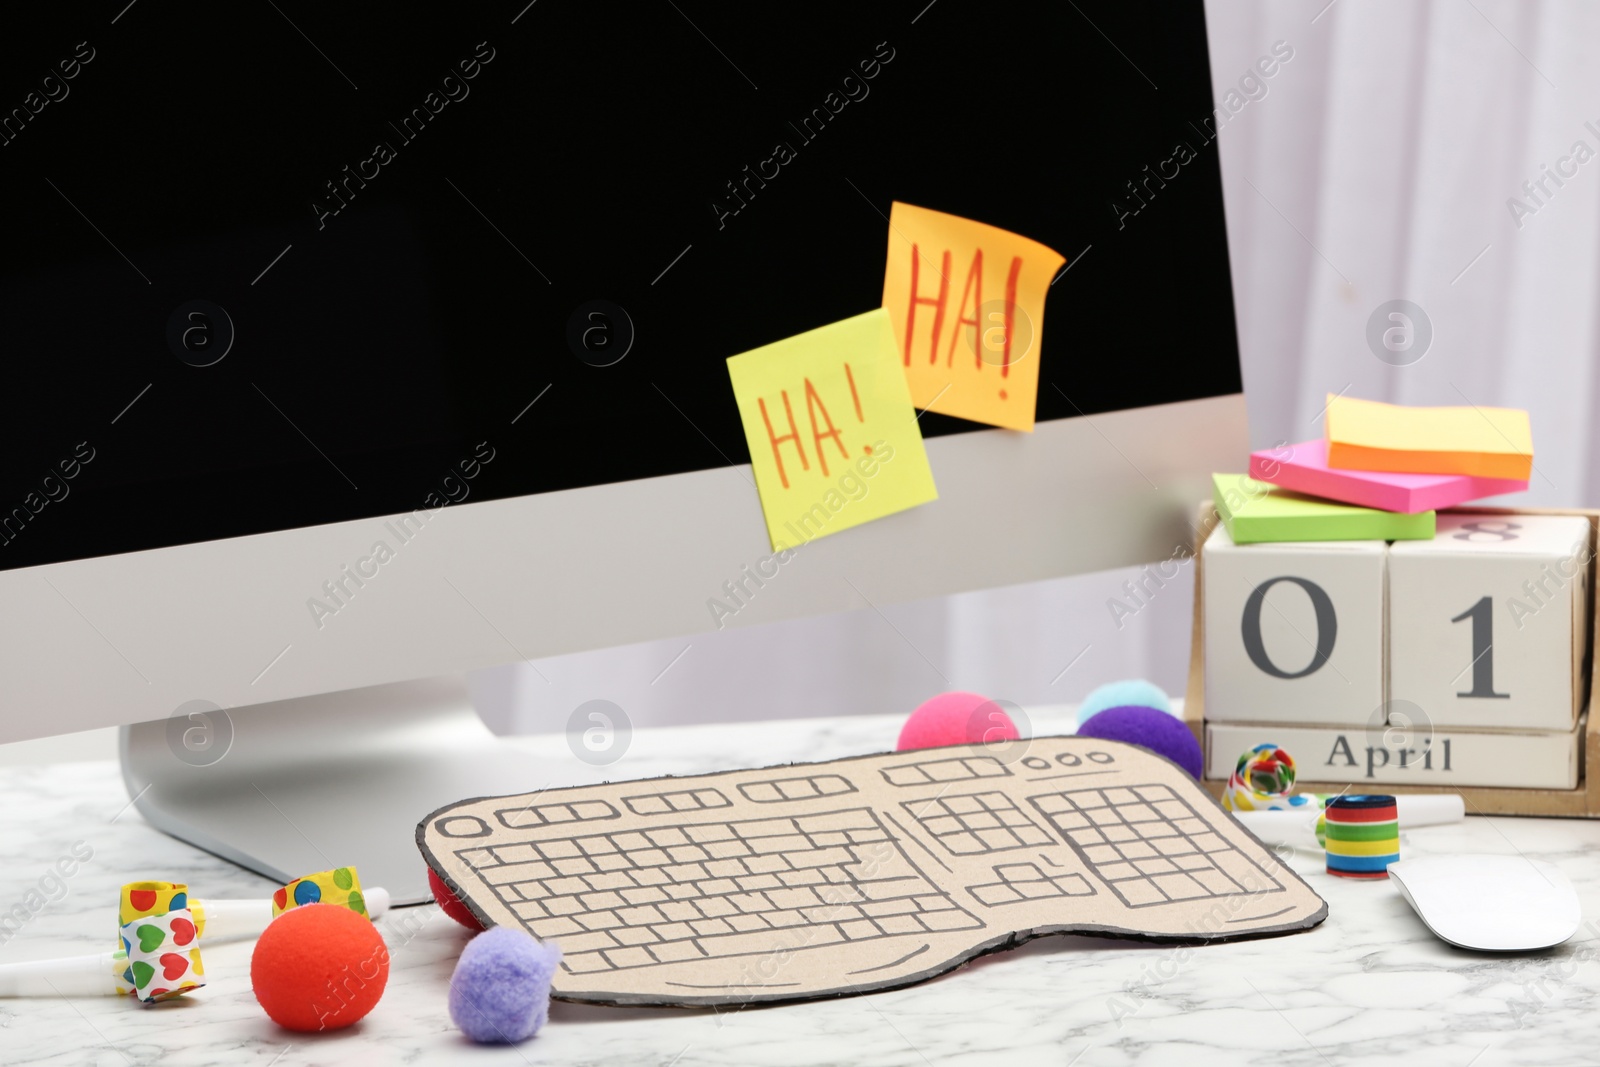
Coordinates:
1480 442
833 437
967 304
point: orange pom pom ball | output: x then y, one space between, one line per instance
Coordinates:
319 967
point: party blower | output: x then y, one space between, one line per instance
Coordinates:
96 973
1303 827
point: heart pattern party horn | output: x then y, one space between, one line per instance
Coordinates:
160 940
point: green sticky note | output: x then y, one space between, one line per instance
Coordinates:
1255 511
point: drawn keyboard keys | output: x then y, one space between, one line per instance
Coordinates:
959 769
1149 845
973 824
1019 882
677 893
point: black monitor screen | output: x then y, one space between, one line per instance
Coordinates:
281 264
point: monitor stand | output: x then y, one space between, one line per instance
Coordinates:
340 779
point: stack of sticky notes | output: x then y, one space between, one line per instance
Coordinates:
1379 473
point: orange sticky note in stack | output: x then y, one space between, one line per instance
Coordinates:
1478 442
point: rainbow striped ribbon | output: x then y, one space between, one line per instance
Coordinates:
1362 835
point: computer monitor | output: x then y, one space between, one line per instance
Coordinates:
353 352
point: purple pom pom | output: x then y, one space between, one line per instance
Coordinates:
500 993
1160 732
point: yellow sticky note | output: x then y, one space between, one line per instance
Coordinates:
1481 442
967 304
833 436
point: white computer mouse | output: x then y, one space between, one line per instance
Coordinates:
1490 903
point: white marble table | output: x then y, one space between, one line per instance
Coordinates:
1369 986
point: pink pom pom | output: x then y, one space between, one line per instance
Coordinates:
956 718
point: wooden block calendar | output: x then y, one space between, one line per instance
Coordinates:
1534 771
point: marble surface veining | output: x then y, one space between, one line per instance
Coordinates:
1370 985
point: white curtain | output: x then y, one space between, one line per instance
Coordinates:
1380 165
1375 164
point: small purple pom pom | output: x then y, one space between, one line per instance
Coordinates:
500 993
1161 733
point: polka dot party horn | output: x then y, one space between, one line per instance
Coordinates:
341 886
141 900
1362 835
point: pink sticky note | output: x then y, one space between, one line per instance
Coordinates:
1304 469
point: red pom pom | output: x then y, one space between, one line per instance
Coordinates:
956 718
451 904
319 967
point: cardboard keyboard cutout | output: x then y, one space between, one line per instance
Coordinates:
828 879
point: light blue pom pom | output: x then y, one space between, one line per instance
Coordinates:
1134 691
